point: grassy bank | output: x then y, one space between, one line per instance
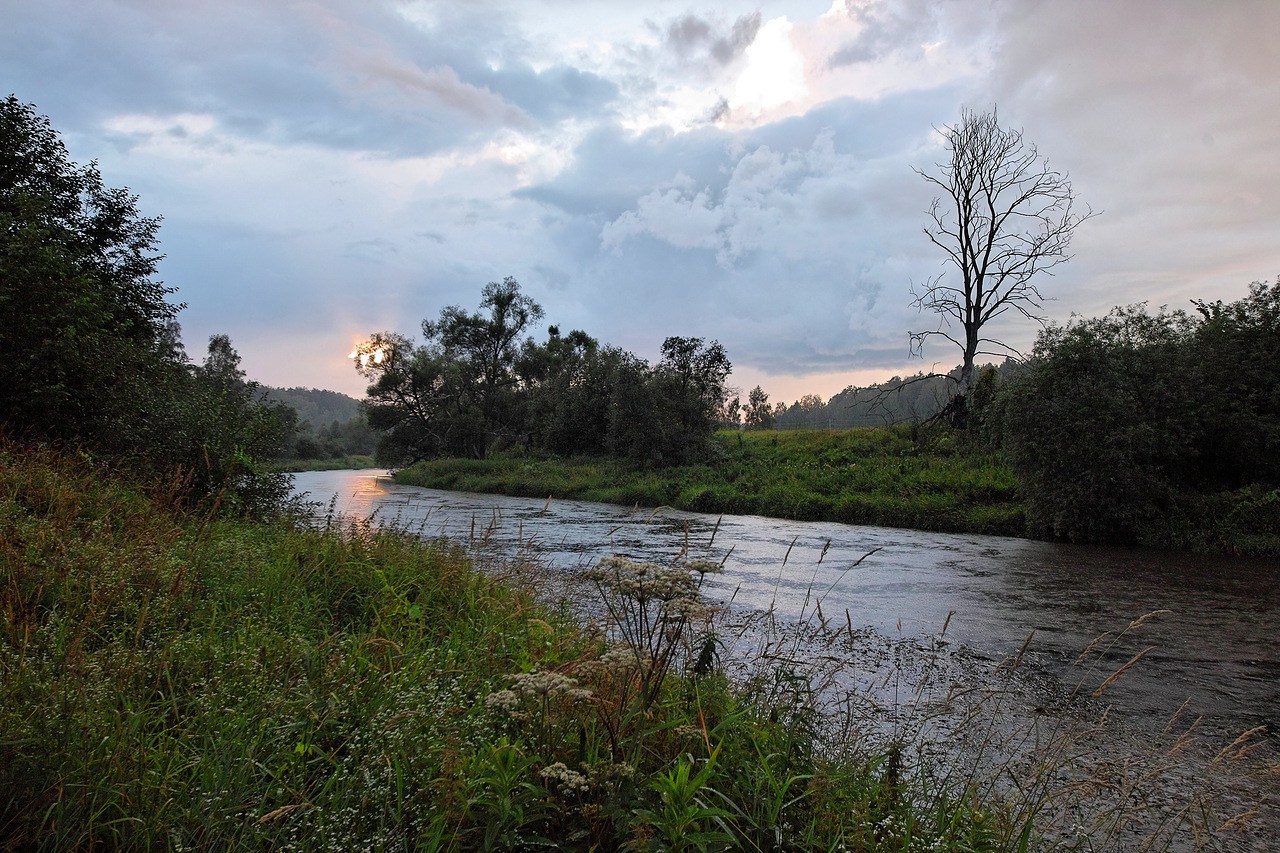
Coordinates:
343 463
179 682
883 476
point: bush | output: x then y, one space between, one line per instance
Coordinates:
92 356
1115 421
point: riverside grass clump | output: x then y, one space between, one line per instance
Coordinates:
342 463
902 476
180 681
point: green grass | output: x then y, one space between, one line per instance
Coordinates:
882 476
341 463
172 681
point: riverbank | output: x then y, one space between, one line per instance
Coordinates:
194 682
342 463
879 476
794 598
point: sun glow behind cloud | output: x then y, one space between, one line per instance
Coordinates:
774 74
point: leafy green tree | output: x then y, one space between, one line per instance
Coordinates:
459 392
479 382
93 356
569 382
86 329
758 414
731 413
350 437
485 347
415 396
809 410
1160 428
689 395
640 424
231 426
1237 374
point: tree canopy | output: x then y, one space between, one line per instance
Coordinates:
1141 426
93 356
480 381
84 324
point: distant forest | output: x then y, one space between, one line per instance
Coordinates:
328 424
314 405
899 399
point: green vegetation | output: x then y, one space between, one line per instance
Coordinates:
328 427
314 405
1159 429
186 664
176 680
337 463
897 400
474 387
93 358
897 476
177 675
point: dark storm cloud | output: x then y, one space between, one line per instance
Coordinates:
691 37
888 28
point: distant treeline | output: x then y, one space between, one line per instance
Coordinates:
898 400
326 424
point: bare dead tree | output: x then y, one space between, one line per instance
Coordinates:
1004 217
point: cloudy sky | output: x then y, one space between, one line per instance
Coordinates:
737 170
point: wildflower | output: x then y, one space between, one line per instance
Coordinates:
705 567
546 684
502 700
643 581
685 608
570 780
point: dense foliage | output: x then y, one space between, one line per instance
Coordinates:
480 382
897 400
84 326
92 356
1160 428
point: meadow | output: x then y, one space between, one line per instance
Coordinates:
890 476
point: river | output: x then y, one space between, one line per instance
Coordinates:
1211 645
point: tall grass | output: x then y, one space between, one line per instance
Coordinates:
170 681
895 477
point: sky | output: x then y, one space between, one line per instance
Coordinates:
742 172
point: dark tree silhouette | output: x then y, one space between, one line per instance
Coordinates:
1003 218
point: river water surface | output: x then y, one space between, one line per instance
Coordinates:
1212 647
